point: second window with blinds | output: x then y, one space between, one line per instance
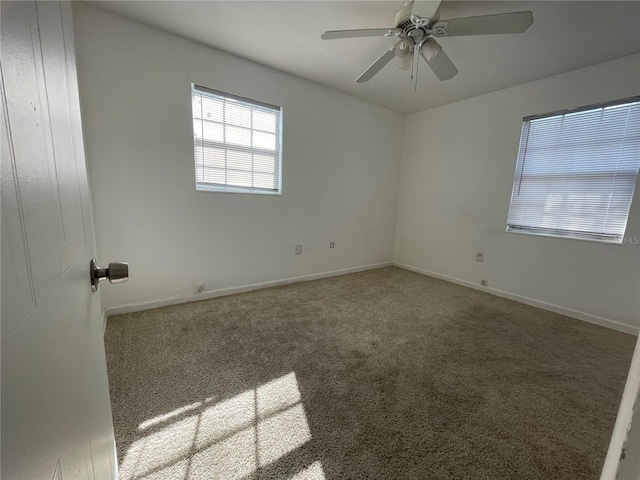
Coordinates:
237 143
576 172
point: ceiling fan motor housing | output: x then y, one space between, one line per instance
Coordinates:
403 17
412 26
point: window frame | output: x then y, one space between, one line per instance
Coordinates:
220 188
608 239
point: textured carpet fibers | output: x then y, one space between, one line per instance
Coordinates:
384 374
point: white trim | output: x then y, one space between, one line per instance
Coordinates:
630 401
183 298
569 312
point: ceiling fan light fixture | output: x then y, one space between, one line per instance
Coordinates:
404 63
404 46
430 49
403 52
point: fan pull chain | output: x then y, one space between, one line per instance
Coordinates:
413 62
416 60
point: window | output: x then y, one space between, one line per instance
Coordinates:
236 143
576 172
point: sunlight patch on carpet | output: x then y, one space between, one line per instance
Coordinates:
281 434
232 438
168 416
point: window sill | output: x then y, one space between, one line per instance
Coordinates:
221 189
566 236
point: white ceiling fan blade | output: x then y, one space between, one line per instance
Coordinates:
367 32
514 22
439 62
425 8
376 66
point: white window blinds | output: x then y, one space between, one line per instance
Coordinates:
236 143
576 172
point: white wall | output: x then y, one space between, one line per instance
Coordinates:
341 161
458 164
340 180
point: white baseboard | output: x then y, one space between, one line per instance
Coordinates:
191 297
587 317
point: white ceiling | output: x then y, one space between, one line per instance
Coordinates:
285 35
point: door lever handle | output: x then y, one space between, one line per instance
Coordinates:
116 272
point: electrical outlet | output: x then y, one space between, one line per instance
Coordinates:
198 287
298 249
479 257
484 282
332 245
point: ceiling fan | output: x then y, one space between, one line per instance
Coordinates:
417 23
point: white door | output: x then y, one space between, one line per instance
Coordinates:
56 413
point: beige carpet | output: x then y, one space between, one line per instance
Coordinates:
384 374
